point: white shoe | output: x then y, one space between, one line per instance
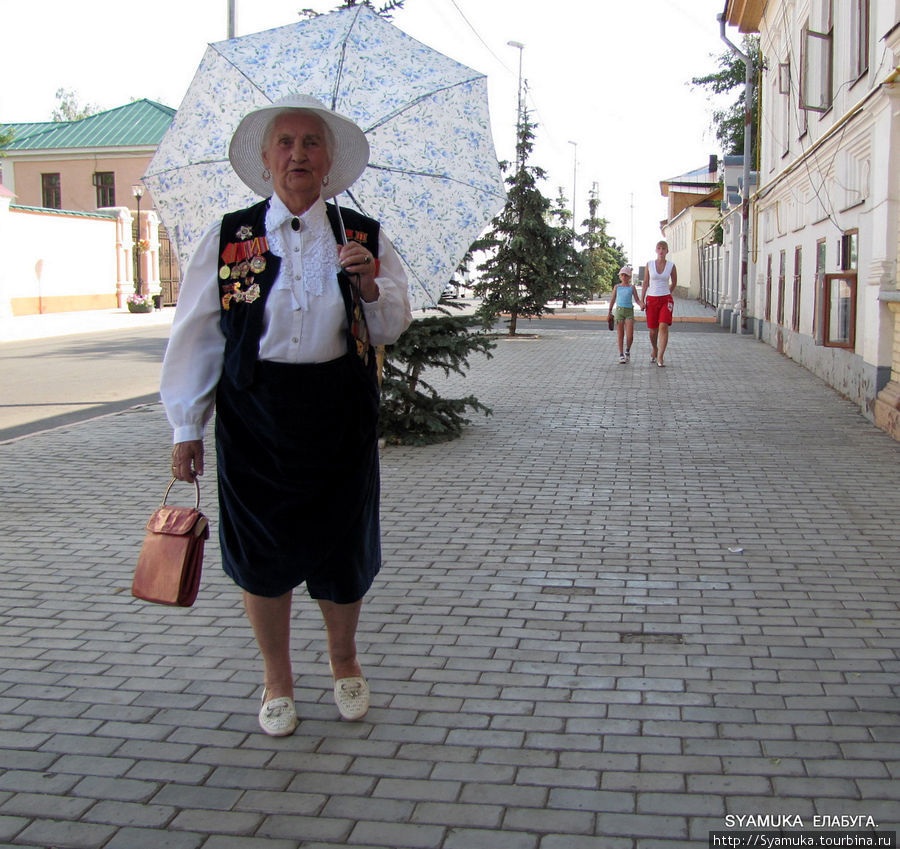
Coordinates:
278 717
351 695
622 359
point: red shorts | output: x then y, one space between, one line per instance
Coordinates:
659 309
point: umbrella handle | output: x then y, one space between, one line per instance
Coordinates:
340 219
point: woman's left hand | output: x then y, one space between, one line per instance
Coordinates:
355 259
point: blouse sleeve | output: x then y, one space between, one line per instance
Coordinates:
389 315
195 353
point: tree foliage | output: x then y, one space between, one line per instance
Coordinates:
573 279
518 277
602 256
385 9
69 109
729 121
412 411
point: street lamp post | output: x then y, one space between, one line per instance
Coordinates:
138 192
519 46
574 177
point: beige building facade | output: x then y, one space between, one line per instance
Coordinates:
826 214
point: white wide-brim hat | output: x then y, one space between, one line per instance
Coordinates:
350 154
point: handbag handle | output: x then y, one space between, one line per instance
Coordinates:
166 494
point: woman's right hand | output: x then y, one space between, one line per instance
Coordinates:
187 460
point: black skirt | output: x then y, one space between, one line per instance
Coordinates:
297 456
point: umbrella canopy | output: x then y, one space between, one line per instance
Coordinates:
433 179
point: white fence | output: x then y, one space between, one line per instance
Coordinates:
60 261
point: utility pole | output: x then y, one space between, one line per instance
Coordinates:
520 47
231 18
748 148
574 178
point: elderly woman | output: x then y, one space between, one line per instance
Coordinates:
274 327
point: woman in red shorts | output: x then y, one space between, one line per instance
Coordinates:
660 279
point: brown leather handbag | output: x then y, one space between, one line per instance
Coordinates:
171 558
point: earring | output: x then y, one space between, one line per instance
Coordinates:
266 174
325 180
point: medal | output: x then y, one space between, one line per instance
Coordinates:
224 272
258 264
244 232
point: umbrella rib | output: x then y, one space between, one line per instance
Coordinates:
217 161
415 276
418 100
435 175
340 67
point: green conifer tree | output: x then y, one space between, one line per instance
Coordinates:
571 270
602 256
412 411
518 277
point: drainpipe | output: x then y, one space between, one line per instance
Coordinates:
745 189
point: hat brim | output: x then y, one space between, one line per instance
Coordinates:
349 156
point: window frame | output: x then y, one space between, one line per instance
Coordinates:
768 309
825 35
781 288
819 287
795 306
105 191
51 189
848 277
860 18
848 265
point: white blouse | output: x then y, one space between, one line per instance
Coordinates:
304 319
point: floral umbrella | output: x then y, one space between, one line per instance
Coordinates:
433 179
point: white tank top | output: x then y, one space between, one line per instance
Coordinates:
659 283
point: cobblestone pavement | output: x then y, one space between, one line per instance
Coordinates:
630 603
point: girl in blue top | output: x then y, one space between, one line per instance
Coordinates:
623 296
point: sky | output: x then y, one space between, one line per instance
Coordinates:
611 76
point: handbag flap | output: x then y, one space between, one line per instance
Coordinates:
177 521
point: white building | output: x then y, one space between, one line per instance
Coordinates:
826 214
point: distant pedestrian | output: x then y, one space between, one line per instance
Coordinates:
623 297
660 278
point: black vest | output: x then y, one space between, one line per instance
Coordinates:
247 271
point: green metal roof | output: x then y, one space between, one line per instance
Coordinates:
139 124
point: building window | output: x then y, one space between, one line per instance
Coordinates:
849 248
840 296
51 194
816 54
105 183
768 312
784 88
819 290
795 304
840 310
859 38
780 318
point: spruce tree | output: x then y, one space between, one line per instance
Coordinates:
571 271
518 277
602 256
412 411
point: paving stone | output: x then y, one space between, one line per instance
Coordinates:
542 678
71 835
